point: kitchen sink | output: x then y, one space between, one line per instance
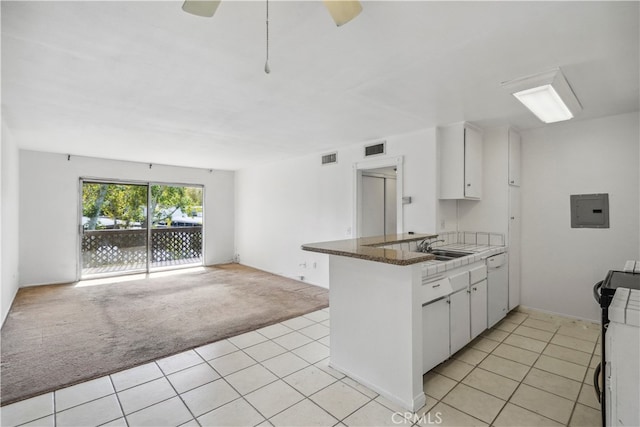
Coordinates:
444 255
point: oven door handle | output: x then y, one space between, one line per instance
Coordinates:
596 291
596 381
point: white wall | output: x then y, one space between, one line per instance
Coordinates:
561 264
9 221
283 205
49 197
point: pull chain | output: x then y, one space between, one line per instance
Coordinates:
266 64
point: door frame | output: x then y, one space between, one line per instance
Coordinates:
148 184
358 168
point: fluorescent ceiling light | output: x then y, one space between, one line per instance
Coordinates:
548 96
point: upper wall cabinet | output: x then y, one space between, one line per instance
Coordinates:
514 158
460 161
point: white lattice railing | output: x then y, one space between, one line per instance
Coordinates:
118 248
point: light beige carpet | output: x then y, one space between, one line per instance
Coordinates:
59 335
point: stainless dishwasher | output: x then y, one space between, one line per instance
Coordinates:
497 288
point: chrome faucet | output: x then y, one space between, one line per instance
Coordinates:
425 245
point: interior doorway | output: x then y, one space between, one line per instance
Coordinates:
379 202
139 227
378 197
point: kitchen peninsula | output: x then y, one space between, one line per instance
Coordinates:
374 248
378 286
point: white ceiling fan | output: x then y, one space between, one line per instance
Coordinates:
342 11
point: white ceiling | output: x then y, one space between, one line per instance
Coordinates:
145 81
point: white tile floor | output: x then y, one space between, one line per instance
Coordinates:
531 369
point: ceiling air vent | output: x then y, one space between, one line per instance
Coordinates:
372 150
330 158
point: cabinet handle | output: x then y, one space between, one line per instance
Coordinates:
468 185
512 182
513 217
448 301
436 286
468 291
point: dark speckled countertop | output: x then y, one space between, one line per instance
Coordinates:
366 248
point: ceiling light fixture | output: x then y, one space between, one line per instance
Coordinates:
548 95
342 11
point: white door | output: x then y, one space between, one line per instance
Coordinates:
460 321
435 333
372 206
478 308
514 158
390 208
514 247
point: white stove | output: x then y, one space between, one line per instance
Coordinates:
622 368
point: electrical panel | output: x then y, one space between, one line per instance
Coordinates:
590 210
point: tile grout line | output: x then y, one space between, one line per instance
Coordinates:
240 395
460 382
531 368
477 366
575 404
278 377
179 395
119 403
55 412
340 420
507 401
148 406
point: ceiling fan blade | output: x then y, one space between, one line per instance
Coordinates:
205 8
343 11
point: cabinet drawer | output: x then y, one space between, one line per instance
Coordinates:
435 289
477 274
460 281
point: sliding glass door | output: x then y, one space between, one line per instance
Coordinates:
176 231
139 227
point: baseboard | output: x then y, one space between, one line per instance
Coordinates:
584 319
417 402
13 298
288 276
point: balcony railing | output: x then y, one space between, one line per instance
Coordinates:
105 251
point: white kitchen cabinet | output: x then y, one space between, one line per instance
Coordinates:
435 333
478 303
497 288
460 161
499 209
514 158
460 319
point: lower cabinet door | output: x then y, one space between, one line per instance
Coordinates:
497 294
460 322
478 308
435 333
